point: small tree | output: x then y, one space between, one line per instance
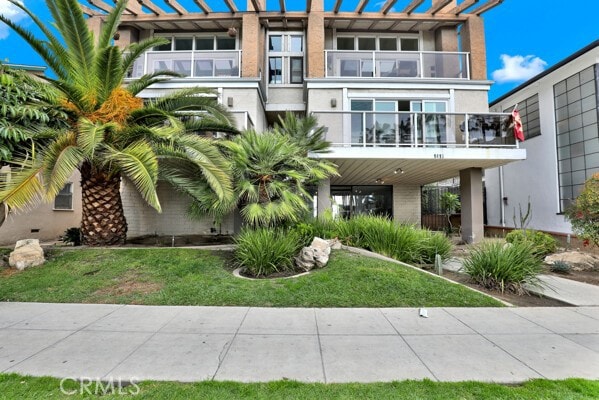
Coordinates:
584 213
450 203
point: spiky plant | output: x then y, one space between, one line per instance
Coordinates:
112 133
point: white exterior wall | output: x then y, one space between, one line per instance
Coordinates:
144 220
51 223
537 176
406 204
246 100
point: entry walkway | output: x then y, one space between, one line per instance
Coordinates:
310 345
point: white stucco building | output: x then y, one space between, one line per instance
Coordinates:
559 109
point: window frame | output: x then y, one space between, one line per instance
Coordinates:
68 194
194 36
378 37
286 56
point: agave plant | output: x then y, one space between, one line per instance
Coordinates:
112 134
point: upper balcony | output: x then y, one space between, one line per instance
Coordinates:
397 64
417 129
190 64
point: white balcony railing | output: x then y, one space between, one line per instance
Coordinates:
190 64
397 64
416 129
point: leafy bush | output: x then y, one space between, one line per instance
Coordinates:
384 236
265 251
432 243
72 235
584 213
543 243
504 267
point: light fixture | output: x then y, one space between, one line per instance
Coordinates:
232 31
333 102
379 180
230 101
398 171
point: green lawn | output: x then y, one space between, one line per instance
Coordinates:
196 277
19 387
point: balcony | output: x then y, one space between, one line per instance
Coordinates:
397 64
417 129
190 64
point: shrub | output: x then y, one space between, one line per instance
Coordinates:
560 267
543 243
72 235
433 243
584 213
504 267
265 251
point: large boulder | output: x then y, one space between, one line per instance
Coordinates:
27 253
577 260
315 255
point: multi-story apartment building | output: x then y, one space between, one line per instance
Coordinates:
560 110
402 92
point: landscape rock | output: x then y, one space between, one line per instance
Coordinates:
315 255
577 260
28 253
335 244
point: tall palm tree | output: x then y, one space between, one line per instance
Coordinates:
305 132
112 134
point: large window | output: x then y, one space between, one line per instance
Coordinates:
529 113
197 43
349 201
285 58
576 114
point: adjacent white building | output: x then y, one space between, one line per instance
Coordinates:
559 110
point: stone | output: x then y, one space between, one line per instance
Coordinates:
577 260
305 259
321 257
322 245
335 244
28 253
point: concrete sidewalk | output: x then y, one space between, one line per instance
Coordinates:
311 345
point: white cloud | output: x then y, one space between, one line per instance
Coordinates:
13 13
518 68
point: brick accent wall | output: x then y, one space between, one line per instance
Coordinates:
406 204
144 220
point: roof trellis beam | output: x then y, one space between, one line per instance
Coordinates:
89 12
101 5
436 7
486 7
178 8
231 6
412 6
282 5
203 6
337 6
151 6
257 5
465 4
361 5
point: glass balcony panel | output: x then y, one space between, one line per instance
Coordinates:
444 65
204 63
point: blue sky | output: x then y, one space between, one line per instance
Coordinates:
523 36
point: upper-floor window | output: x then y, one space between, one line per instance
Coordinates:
64 198
286 58
376 43
198 43
529 113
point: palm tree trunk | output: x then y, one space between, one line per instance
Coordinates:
103 219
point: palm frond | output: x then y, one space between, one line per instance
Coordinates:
139 163
108 70
60 159
91 136
24 188
111 24
135 50
147 80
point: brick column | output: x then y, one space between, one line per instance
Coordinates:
471 193
324 197
251 42
473 41
315 40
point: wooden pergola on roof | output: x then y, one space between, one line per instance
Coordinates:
393 15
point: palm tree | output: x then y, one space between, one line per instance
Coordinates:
305 132
111 133
271 173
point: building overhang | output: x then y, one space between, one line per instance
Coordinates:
420 166
393 84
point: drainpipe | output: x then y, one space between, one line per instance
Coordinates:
502 204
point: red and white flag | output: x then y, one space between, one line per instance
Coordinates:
518 131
